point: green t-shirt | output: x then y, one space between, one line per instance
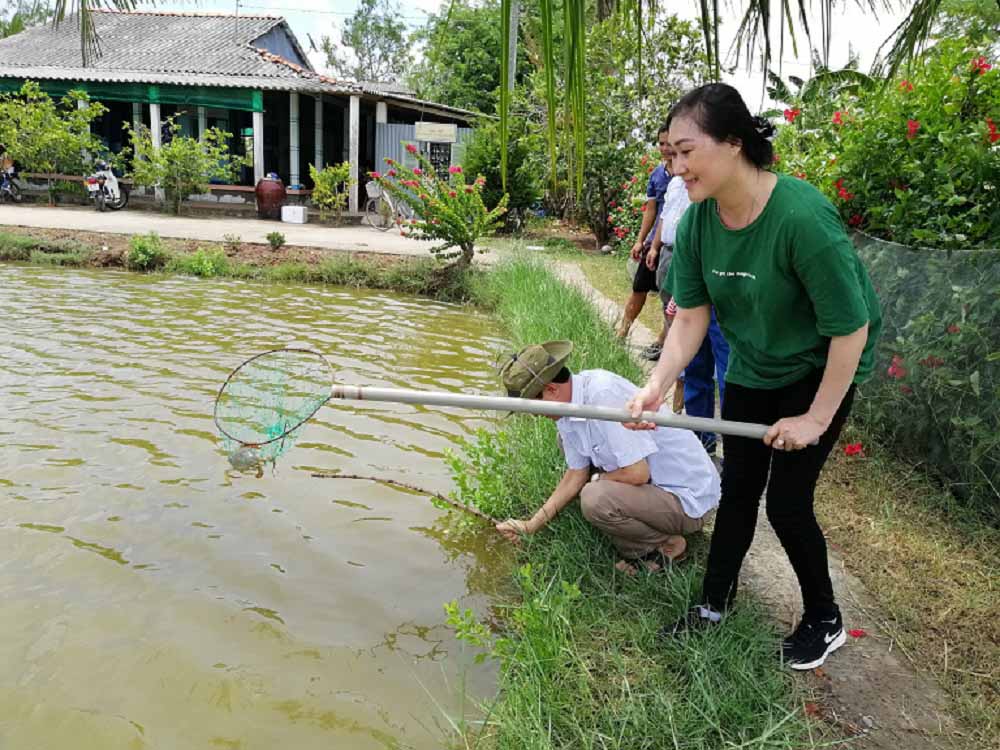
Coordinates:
781 286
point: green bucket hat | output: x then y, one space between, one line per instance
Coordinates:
527 372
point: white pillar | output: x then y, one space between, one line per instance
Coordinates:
202 122
318 138
381 113
154 125
258 147
156 137
293 138
355 151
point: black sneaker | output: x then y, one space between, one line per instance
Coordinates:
696 619
813 640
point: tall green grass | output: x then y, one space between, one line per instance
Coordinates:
581 665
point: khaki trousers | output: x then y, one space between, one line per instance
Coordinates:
638 518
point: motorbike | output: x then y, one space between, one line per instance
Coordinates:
105 189
9 189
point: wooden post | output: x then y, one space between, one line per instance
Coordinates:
354 128
293 139
318 109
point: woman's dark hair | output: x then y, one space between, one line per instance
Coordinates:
663 129
721 112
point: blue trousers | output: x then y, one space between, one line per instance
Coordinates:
708 365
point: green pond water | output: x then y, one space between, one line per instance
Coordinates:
152 599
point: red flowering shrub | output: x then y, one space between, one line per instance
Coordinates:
919 160
442 211
626 210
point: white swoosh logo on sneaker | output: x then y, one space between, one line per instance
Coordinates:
828 638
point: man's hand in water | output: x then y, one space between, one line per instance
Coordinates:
514 529
649 398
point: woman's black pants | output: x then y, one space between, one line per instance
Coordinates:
790 478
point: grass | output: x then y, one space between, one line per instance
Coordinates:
932 567
419 276
933 572
580 663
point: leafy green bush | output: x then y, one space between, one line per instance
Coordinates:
330 187
14 247
183 165
276 240
482 156
203 262
627 204
145 252
447 210
916 161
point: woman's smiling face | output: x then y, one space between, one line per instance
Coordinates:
705 164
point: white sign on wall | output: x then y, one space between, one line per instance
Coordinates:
436 132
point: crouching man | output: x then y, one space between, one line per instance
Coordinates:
652 487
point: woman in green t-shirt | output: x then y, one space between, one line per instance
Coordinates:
801 317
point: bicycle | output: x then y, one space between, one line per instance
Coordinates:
381 211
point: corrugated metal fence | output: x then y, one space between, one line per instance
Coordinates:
391 140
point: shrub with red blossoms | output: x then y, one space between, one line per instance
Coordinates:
838 118
443 211
953 328
791 114
912 126
905 86
932 361
991 131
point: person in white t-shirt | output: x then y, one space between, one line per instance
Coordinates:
651 489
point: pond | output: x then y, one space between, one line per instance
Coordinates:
153 599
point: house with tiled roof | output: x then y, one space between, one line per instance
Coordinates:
245 74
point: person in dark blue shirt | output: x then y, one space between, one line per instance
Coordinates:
644 281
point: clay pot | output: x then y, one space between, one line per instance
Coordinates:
270 194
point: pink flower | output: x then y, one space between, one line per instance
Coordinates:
480 180
411 148
424 196
791 114
634 179
838 118
455 170
375 175
980 64
855 220
469 188
854 449
624 186
953 328
418 171
776 159
896 369
642 207
452 194
391 173
800 175
644 160
844 194
905 86
612 204
912 126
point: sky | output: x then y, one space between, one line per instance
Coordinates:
315 18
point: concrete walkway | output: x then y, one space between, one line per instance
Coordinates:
868 692
362 239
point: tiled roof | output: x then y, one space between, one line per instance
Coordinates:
182 49
163 45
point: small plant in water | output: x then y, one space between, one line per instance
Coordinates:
203 262
145 252
277 239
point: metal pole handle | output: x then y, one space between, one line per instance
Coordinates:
544 408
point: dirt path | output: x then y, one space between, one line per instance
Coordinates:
868 691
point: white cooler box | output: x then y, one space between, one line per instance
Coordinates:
294 214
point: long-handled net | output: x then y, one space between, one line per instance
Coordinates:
264 403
